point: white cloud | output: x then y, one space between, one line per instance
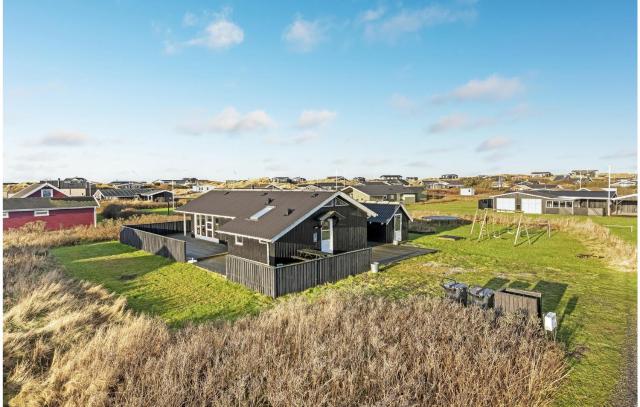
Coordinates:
315 118
220 34
402 103
229 120
494 143
66 139
494 87
619 155
303 35
372 14
189 19
408 21
459 121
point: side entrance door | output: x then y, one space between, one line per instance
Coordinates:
397 227
326 236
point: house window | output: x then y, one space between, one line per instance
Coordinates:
556 204
5 215
549 204
391 197
239 240
40 213
46 193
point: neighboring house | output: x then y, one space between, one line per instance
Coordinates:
431 184
455 184
40 190
76 186
263 186
499 184
449 176
411 178
145 194
584 173
337 177
271 227
625 205
297 180
281 180
326 186
127 184
184 182
56 213
360 180
390 224
394 179
624 183
527 186
554 202
203 187
391 193
541 174
470 191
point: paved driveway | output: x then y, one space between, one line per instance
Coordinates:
216 264
389 253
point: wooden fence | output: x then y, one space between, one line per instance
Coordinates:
512 300
145 237
281 280
164 228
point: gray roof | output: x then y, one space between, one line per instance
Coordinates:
13 204
547 193
385 189
290 207
384 211
130 192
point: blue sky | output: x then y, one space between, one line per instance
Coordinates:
145 90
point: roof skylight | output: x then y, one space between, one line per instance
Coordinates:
261 212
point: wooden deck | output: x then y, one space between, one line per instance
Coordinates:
200 249
389 253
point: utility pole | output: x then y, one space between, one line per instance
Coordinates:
173 196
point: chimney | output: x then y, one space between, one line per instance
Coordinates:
58 182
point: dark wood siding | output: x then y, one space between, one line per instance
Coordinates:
250 249
383 233
349 233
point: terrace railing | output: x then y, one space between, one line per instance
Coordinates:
275 281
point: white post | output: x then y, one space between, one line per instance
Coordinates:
173 196
609 194
184 223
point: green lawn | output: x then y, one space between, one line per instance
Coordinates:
176 292
158 211
591 300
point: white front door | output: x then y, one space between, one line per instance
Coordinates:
397 227
326 236
531 205
506 204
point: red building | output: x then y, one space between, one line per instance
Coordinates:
41 190
57 213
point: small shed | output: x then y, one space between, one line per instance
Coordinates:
470 191
391 223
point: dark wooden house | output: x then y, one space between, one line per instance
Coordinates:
271 227
390 224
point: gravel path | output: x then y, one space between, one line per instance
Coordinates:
626 393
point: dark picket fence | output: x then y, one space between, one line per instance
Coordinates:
152 238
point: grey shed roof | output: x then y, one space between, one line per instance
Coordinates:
559 194
384 211
385 189
289 208
130 192
22 204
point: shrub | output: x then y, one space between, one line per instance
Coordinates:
112 211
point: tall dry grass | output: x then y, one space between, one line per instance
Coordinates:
34 234
340 351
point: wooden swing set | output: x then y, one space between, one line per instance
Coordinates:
488 227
